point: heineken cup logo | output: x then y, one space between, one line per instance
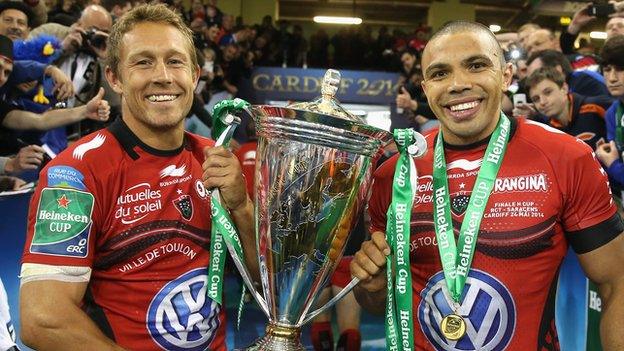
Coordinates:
217 257
404 137
499 143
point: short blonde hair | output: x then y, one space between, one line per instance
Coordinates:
146 13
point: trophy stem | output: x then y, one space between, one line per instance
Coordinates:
278 338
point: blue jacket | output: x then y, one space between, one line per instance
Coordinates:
616 170
23 72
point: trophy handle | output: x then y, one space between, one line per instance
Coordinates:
333 301
232 122
242 269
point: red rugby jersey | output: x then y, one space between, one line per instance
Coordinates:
140 218
550 191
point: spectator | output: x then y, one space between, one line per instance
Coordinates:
586 83
318 56
574 114
524 32
614 26
545 39
297 53
117 8
610 153
84 51
66 13
232 67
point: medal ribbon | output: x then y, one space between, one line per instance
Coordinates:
223 229
399 321
456 263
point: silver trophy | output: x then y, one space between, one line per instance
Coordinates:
313 170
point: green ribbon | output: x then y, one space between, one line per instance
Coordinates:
223 108
223 230
456 263
399 321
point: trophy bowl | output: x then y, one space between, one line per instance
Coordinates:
313 171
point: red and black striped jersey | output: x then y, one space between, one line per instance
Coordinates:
550 192
140 219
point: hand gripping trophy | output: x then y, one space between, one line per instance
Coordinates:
313 171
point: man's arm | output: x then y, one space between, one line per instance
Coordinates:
605 266
51 318
96 109
369 265
222 170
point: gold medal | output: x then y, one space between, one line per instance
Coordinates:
453 326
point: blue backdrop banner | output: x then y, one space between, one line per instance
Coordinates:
298 84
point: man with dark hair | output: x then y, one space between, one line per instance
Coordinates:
585 82
578 115
15 17
609 153
516 201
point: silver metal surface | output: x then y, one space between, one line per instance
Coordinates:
313 171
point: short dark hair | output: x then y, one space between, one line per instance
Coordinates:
552 58
19 6
454 27
544 73
612 52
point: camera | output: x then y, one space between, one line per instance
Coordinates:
93 38
601 10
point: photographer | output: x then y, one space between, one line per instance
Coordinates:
83 48
614 26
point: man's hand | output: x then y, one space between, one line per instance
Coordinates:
63 86
29 157
28 86
222 170
404 100
10 183
98 108
73 40
580 19
524 111
619 8
607 153
369 263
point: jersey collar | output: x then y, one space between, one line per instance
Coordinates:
129 141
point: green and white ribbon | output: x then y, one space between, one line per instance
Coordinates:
399 321
221 109
456 262
223 229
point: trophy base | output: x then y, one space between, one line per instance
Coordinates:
278 338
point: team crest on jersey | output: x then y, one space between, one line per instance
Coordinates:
459 204
488 309
184 205
181 317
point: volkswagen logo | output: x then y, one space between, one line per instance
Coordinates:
181 316
487 307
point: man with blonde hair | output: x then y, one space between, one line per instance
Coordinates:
119 227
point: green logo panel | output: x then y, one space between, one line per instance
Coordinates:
62 214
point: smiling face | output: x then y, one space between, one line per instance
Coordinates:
156 78
464 83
